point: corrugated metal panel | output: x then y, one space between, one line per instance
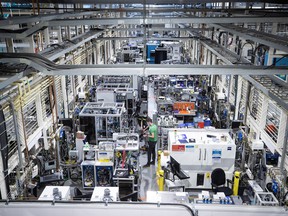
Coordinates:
30 118
244 94
10 130
272 123
59 92
256 104
45 98
282 129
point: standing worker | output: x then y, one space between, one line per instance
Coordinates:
152 141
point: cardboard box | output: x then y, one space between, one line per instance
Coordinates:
166 153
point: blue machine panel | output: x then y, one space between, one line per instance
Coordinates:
104 175
88 175
279 62
150 53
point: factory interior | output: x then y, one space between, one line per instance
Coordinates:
125 107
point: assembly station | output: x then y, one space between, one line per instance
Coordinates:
126 107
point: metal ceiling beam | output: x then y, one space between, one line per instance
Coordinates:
279 81
10 80
166 20
274 41
148 38
56 53
42 18
227 56
28 62
267 92
188 9
43 25
273 86
147 70
161 29
231 58
152 9
155 10
147 1
39 63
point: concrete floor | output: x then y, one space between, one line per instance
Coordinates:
148 180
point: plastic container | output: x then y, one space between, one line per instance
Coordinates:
189 125
201 124
181 125
207 122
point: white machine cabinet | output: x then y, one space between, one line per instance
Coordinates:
200 151
55 193
110 194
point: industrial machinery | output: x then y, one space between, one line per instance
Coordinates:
88 174
126 151
129 53
126 163
104 173
105 194
54 193
105 151
100 120
200 151
120 93
47 164
115 79
165 106
166 121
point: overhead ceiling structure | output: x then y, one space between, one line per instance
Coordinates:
166 20
145 1
192 19
164 12
270 40
11 72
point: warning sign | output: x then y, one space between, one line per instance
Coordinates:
190 148
179 148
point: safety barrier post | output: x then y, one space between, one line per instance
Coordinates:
161 180
236 183
159 161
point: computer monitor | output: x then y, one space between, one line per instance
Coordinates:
176 170
66 122
50 165
175 166
236 124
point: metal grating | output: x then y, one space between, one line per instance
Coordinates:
76 80
30 118
255 104
59 92
69 84
273 121
244 94
45 99
10 130
83 78
282 140
282 30
275 88
232 89
264 34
